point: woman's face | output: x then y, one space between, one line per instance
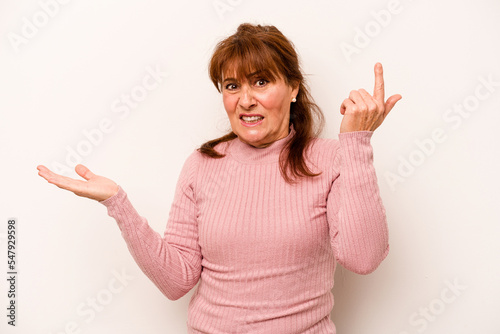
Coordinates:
259 110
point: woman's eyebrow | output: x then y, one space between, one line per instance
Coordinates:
253 74
229 79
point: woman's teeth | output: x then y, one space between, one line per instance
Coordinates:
251 119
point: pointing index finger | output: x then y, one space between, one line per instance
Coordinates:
378 91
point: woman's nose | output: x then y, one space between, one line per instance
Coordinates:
247 99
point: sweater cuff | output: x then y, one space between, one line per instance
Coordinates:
355 135
356 146
119 197
120 208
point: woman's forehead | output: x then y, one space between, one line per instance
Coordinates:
238 74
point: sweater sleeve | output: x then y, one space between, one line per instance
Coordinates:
172 262
356 215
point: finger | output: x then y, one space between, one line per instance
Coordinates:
84 172
41 168
60 181
378 91
346 104
391 102
358 100
368 100
44 172
49 175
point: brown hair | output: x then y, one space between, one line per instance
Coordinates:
264 48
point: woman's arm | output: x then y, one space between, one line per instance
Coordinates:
356 215
172 262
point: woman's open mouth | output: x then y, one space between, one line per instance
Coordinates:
251 120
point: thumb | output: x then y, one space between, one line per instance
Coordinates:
84 172
391 102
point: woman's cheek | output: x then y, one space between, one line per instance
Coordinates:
228 105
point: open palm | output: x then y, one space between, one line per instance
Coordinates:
94 187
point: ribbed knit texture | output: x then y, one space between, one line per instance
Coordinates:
263 251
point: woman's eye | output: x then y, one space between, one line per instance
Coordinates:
261 82
231 86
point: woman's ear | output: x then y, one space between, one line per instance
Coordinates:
295 89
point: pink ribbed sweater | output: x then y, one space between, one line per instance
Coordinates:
263 251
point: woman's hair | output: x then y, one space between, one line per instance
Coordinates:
264 48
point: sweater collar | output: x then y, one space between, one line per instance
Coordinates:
246 153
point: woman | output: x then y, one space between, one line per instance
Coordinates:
262 215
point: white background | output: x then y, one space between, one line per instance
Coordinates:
63 77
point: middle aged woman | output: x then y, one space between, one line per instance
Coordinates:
262 215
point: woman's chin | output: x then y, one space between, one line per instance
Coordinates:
252 137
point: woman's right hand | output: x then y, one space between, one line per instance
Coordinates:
95 187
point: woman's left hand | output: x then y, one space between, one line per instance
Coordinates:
363 112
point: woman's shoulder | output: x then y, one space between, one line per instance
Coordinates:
196 157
